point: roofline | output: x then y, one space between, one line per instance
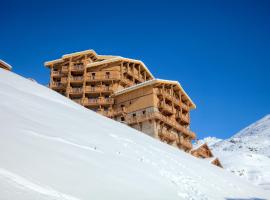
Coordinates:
151 82
119 58
108 59
48 63
6 64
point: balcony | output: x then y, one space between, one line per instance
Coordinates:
76 79
64 80
100 89
56 73
77 68
184 106
185 119
168 96
178 115
102 76
127 82
65 69
56 85
165 108
76 91
182 142
98 101
167 136
167 120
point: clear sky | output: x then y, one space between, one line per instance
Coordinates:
218 50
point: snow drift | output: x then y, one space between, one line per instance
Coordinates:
52 148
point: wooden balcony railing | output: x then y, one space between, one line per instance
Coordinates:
178 115
77 79
56 85
76 91
64 80
185 118
167 136
166 108
167 95
78 68
187 144
98 101
56 73
65 69
185 107
127 81
90 89
102 76
157 115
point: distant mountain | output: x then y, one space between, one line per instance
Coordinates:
247 153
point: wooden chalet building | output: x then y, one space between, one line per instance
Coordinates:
91 79
204 152
125 90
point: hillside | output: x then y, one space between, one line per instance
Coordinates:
247 153
52 148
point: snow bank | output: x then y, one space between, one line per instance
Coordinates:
52 148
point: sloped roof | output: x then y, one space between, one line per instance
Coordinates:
154 81
104 59
89 51
5 64
199 146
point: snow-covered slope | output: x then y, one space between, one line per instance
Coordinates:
247 153
51 148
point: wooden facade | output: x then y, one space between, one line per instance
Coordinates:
5 65
90 79
159 108
125 90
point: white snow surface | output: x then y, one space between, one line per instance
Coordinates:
247 153
52 148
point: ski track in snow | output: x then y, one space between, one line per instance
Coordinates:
57 139
26 184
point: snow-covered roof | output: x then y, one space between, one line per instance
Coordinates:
89 51
154 81
104 59
5 64
196 146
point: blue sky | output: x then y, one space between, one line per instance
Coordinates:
218 50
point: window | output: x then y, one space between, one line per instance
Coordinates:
122 119
134 114
143 112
